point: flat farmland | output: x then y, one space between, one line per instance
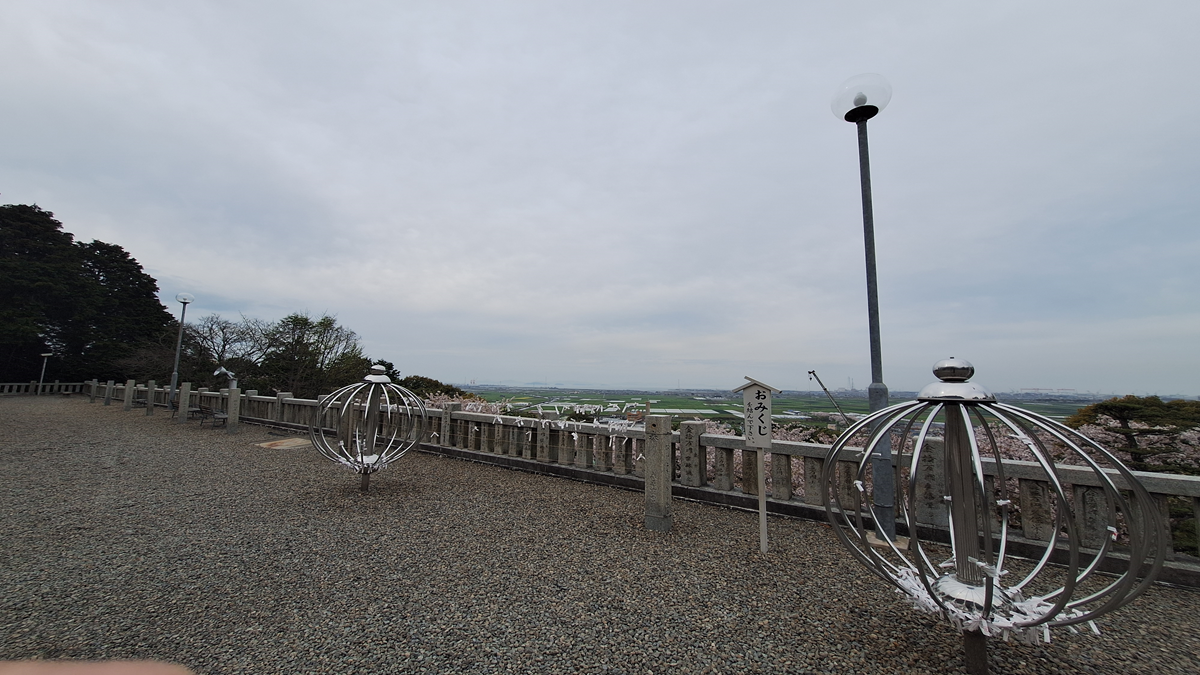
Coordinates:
713 404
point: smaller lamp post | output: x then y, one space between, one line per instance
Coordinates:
45 358
185 299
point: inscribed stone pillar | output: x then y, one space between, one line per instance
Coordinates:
1091 513
108 392
1037 519
183 403
235 407
566 445
931 485
602 453
781 476
658 469
150 398
750 471
516 435
723 469
543 441
130 387
692 459
95 385
813 490
583 450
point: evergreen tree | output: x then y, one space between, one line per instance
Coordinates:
90 304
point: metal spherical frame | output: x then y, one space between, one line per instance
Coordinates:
376 422
968 589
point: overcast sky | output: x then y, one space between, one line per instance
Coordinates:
643 194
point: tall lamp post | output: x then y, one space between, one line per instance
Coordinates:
185 299
45 358
859 99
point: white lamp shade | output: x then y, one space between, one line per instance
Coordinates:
861 90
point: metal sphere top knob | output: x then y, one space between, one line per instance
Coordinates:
953 370
377 375
952 384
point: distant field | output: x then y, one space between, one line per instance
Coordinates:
708 404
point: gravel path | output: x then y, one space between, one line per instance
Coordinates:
125 536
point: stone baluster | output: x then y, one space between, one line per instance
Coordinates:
108 392
446 430
566 443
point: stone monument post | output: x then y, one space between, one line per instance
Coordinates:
130 389
658 466
183 402
234 407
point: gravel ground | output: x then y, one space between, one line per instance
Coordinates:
125 536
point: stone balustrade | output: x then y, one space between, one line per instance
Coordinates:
705 467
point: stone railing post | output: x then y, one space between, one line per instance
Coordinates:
183 401
692 460
233 409
658 469
95 385
150 398
446 433
108 391
130 388
277 406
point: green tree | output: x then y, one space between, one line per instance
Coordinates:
90 304
1142 427
308 357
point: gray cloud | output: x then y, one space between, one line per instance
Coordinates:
638 194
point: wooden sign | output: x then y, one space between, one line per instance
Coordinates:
756 406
